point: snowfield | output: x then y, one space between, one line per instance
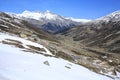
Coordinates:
16 64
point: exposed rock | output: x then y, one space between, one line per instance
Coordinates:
46 63
68 67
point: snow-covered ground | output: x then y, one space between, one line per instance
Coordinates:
16 64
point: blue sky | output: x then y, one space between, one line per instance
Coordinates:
88 9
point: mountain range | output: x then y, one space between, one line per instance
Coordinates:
49 21
94 44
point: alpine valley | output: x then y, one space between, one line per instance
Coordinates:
47 46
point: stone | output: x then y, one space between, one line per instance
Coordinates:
46 63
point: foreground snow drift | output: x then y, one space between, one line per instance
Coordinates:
16 64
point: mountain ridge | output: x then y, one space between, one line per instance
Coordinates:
49 15
49 21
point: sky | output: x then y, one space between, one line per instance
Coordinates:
84 9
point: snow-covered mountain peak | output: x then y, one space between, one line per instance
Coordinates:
39 15
51 16
48 15
115 16
33 15
115 13
47 11
26 11
48 20
30 12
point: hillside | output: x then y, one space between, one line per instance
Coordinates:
103 32
100 37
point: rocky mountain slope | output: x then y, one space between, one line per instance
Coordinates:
22 28
103 32
100 36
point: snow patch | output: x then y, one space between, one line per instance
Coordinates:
24 42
